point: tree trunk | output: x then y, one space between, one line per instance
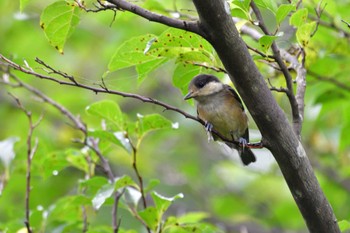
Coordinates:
277 134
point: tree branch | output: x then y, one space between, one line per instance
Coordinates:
277 133
154 17
115 220
30 154
104 89
297 117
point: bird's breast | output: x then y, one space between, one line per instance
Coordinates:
226 118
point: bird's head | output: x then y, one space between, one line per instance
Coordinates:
203 85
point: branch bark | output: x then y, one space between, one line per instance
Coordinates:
278 134
154 17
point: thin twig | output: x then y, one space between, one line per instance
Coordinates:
297 118
331 25
115 221
273 88
98 8
90 142
30 154
318 11
105 90
214 68
347 24
139 177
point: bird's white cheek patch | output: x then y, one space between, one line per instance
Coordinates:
300 150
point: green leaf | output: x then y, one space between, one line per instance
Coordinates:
240 8
107 110
344 225
267 4
162 203
117 138
131 53
192 217
132 197
175 43
151 185
266 42
124 181
54 162
148 52
105 192
304 33
145 68
151 217
77 159
93 184
299 17
59 21
151 122
344 143
68 209
183 75
282 12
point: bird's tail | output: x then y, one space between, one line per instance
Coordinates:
246 155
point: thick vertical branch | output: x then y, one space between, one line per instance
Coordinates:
278 135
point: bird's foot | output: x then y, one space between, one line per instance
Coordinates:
243 142
209 127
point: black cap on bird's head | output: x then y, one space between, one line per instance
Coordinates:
203 85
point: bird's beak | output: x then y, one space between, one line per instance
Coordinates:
189 95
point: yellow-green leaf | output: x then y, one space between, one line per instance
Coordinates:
299 17
58 21
304 33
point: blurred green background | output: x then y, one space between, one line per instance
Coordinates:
210 176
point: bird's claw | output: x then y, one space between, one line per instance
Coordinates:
243 142
209 127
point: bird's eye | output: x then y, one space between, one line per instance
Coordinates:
201 84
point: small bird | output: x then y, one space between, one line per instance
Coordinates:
220 107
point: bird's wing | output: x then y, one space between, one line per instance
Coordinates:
235 95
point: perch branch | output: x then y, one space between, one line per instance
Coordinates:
103 89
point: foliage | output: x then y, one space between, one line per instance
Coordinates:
150 159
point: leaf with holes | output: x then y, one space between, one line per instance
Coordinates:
58 21
131 53
266 42
148 52
304 33
183 75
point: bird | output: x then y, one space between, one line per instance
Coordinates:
221 109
